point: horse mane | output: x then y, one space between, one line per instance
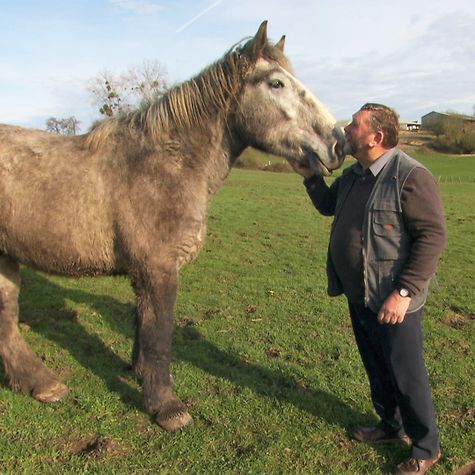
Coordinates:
192 102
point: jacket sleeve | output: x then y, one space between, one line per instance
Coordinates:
323 196
424 219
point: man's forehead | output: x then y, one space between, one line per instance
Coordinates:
361 115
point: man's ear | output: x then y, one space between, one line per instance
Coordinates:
378 138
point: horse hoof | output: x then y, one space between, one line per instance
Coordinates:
52 394
172 424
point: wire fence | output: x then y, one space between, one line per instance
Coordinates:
455 179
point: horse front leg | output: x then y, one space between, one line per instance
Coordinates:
156 296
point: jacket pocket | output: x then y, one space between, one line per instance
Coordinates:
386 223
388 234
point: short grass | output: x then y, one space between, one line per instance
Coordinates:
264 359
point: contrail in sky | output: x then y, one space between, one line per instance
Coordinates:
206 10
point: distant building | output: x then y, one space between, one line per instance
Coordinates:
432 119
413 126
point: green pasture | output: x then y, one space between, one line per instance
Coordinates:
446 168
264 359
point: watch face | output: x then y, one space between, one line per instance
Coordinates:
404 292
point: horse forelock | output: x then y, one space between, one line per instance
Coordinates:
270 52
273 54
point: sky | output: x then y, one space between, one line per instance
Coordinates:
415 56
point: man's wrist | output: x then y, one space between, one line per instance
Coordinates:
403 291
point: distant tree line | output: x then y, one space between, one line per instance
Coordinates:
454 134
68 126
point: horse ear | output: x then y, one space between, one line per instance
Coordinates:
260 39
280 44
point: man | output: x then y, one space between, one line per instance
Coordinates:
386 239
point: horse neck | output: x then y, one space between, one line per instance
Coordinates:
203 109
215 150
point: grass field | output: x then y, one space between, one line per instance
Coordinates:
263 358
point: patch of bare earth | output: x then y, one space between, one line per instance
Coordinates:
91 447
468 469
98 447
456 318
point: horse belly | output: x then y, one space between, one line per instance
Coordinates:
55 220
61 251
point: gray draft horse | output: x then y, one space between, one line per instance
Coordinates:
131 197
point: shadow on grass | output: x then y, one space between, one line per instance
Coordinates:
43 309
191 346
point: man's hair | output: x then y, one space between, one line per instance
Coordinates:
383 119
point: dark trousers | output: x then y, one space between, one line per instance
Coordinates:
393 358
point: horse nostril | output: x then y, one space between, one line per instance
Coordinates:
339 145
338 149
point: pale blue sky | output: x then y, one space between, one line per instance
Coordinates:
414 55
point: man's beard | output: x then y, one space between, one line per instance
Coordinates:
348 147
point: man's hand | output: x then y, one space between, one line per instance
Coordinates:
303 170
394 309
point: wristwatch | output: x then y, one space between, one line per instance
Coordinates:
404 292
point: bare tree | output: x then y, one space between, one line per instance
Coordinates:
67 126
108 92
114 93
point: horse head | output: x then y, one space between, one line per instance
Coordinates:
279 115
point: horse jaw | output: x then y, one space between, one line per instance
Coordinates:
323 158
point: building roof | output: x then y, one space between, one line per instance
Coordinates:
451 114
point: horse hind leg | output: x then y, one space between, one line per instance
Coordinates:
24 370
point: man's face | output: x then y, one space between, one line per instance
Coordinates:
358 133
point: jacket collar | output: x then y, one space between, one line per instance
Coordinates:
378 165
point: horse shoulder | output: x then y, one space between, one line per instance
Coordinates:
163 214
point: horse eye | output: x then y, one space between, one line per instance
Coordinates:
276 83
